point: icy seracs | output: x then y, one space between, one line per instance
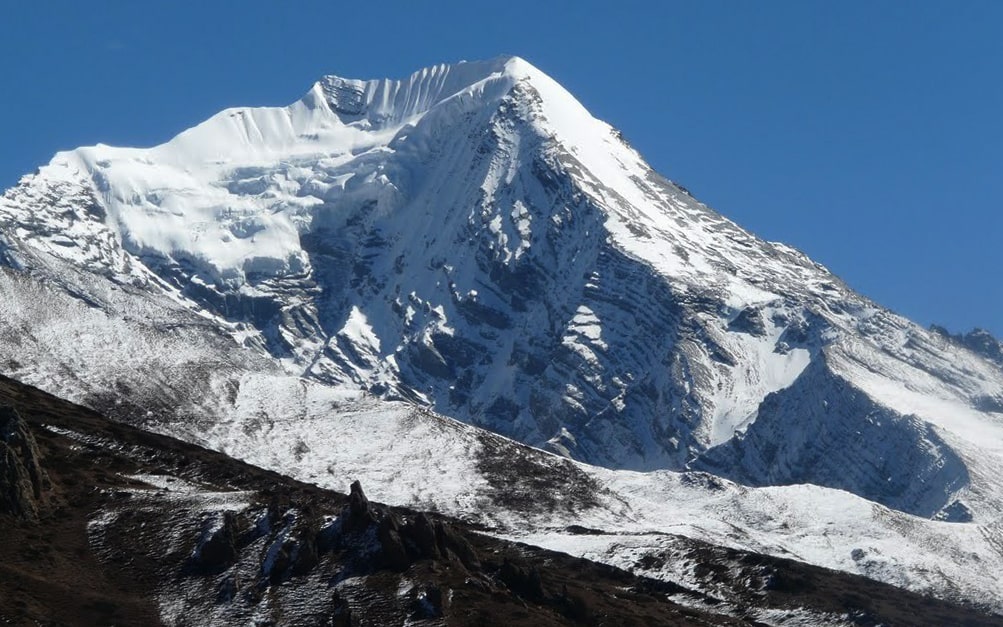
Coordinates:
471 240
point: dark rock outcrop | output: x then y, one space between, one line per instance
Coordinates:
401 540
523 580
749 320
217 548
358 513
22 480
979 341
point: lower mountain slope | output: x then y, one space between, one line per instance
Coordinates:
128 527
134 528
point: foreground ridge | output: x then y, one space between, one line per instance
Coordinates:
137 527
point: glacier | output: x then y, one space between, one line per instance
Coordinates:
376 278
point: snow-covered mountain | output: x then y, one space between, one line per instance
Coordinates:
328 286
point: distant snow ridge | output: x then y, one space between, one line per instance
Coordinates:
470 239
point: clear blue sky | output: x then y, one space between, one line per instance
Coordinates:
868 134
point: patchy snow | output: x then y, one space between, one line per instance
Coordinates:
177 489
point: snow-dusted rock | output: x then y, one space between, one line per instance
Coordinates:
471 240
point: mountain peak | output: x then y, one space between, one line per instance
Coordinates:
387 101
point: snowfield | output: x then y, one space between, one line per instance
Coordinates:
467 292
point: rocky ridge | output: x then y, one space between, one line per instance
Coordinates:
139 528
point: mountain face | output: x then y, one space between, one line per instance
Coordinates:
308 287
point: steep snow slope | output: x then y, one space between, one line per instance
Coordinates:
470 239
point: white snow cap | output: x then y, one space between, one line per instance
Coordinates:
385 101
228 193
328 119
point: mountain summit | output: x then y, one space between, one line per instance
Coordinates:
311 285
383 103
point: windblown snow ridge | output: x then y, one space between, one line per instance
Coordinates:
385 102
